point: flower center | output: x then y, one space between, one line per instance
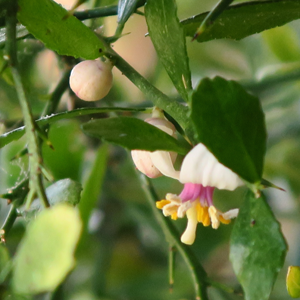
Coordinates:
193 191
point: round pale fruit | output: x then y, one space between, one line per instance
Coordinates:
91 80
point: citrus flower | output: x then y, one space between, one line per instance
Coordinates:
200 173
157 163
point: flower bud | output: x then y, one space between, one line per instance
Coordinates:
157 163
91 80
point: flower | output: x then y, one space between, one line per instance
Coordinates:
200 173
157 163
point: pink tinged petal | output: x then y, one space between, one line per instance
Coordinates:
189 235
201 166
209 195
190 192
163 162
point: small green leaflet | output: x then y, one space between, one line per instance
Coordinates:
133 134
168 39
244 19
63 33
230 123
62 191
257 248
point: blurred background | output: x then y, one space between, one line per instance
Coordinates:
126 255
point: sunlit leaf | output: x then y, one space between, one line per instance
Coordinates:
46 254
257 249
293 281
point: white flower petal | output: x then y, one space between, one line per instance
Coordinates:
201 166
163 162
230 214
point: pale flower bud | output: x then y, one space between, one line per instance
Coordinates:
157 163
91 80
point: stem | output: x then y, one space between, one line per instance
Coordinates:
172 107
57 93
197 271
35 160
99 12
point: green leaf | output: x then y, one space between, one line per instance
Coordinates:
293 281
63 191
257 248
230 123
15 134
92 186
58 30
168 39
242 20
133 134
46 254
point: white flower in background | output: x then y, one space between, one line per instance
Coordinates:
200 173
91 80
157 163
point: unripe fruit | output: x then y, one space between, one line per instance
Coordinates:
91 80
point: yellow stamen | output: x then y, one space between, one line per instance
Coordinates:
202 214
224 221
160 204
174 216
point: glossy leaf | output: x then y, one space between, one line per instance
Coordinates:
168 39
62 191
133 134
46 254
293 281
230 122
257 248
63 33
242 20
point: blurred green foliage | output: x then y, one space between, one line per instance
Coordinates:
125 255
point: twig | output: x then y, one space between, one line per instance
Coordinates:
197 271
175 109
35 159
